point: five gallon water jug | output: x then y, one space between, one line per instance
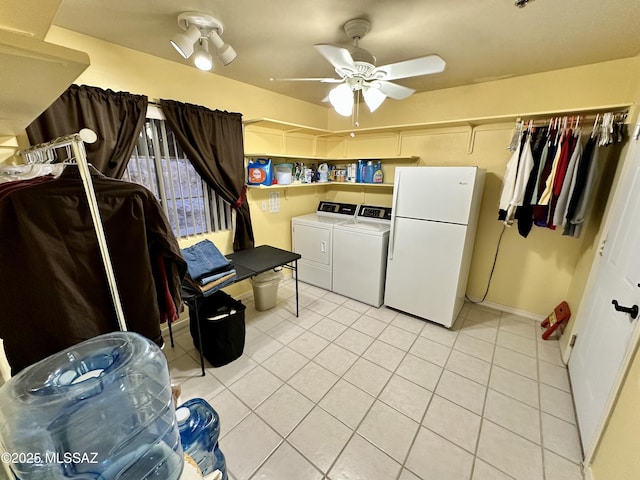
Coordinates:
199 427
100 410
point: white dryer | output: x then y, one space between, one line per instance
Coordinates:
312 237
360 255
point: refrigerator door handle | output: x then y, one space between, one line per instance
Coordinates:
392 235
391 239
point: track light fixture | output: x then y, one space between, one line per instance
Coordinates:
198 30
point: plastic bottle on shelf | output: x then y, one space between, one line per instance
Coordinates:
199 426
378 175
99 409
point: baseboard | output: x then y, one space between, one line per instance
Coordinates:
588 474
514 311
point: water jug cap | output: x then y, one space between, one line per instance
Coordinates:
182 414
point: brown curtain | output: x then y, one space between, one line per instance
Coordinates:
213 142
116 117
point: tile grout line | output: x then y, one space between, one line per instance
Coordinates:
376 398
484 403
317 404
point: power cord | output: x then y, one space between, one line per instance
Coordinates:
495 259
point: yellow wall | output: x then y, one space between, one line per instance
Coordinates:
123 69
602 84
532 275
617 456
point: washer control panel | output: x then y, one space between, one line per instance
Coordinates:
339 208
372 212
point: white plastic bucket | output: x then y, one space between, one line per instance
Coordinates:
265 289
283 173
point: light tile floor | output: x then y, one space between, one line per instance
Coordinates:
348 391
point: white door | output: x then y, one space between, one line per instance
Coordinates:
605 334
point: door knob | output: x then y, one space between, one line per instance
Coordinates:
633 311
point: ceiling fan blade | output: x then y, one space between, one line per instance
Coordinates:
410 68
308 79
339 57
393 90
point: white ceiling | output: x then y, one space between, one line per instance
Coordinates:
480 40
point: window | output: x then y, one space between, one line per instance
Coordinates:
159 164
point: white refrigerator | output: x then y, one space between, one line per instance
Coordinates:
433 226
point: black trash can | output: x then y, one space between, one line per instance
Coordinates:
222 328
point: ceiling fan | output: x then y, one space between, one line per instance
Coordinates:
357 70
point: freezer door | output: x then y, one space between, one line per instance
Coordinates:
424 269
443 194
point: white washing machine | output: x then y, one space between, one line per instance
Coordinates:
360 255
312 237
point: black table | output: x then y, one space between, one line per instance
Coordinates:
247 263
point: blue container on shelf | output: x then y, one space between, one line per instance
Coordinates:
260 172
199 426
369 171
101 409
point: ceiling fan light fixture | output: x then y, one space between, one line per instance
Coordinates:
202 58
184 42
373 97
341 98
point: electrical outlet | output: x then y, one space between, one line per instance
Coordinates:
264 206
274 202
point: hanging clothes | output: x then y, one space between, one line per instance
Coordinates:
541 211
15 173
509 181
574 225
524 214
53 288
562 200
550 177
579 182
525 165
568 147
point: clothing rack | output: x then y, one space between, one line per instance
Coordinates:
75 143
598 120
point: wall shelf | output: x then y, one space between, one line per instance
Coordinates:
319 158
287 127
35 73
323 184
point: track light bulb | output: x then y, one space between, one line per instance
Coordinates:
225 52
202 58
184 42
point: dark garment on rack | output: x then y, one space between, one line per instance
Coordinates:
581 177
53 288
524 213
540 212
8 187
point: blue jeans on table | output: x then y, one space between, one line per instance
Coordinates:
204 260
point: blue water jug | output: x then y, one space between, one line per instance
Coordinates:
199 426
100 410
